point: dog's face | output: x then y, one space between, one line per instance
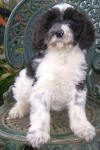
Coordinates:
59 35
63 26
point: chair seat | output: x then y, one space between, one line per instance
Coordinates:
15 129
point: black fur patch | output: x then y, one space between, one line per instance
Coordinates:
32 67
81 26
81 85
30 70
43 24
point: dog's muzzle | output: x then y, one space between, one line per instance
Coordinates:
59 33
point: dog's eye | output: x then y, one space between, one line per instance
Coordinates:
69 22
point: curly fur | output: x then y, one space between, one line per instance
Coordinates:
64 35
42 27
83 30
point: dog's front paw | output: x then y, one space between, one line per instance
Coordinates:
84 130
38 138
15 113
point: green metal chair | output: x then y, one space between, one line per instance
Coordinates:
18 38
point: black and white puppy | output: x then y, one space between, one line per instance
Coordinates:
56 81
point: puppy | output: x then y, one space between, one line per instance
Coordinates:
56 79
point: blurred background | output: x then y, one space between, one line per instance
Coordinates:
7 74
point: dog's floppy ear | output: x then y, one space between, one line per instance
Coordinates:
82 27
39 33
42 25
87 35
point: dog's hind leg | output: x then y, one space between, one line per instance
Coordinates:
21 92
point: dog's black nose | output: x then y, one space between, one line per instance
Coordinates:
59 33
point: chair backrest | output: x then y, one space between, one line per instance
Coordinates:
18 36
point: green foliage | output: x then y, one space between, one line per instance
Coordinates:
7 74
1 4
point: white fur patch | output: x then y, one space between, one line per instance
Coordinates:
62 43
21 91
38 138
63 6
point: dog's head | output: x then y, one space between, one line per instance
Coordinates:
63 26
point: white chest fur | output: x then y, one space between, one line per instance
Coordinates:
61 71
63 63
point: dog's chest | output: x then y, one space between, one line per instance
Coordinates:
62 66
60 73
